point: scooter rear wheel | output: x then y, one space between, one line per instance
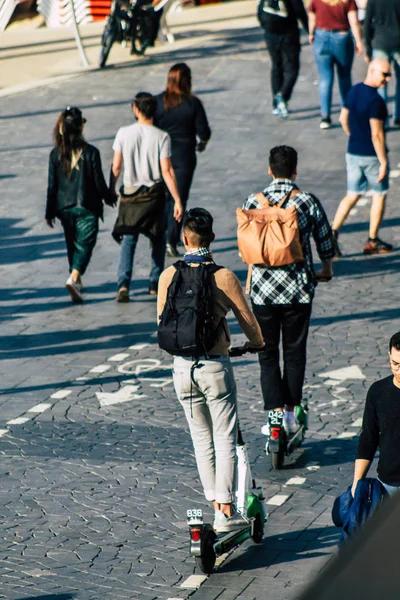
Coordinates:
206 561
277 459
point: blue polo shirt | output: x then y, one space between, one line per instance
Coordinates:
363 103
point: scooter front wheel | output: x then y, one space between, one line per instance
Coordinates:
206 561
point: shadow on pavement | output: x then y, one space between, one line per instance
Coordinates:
364 225
288 547
50 597
75 340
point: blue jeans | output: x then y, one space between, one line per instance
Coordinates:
393 58
128 247
332 48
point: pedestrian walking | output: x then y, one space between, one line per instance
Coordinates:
279 19
282 296
381 425
75 193
204 381
382 39
145 153
363 120
182 116
332 25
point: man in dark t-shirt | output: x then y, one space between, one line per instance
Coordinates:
381 426
363 119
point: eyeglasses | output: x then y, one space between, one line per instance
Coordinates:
386 75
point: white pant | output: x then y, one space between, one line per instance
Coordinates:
207 393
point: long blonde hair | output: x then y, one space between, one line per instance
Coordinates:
334 2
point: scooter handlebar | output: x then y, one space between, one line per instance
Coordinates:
241 350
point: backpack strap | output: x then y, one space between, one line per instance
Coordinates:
264 201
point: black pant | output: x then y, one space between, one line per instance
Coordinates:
294 322
184 177
284 50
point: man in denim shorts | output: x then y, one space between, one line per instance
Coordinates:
363 119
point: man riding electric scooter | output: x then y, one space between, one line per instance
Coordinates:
194 296
282 300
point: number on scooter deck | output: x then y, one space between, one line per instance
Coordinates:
194 516
275 417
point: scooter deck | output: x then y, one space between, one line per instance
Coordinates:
228 541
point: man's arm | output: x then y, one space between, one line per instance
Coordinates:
361 468
378 140
116 169
356 30
169 177
344 120
301 13
163 284
238 303
369 28
368 441
323 237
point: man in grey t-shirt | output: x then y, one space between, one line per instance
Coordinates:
145 153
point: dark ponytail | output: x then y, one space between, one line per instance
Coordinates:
68 136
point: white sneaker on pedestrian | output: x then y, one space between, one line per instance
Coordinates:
290 423
281 106
276 112
75 290
224 524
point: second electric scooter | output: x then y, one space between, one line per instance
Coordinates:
279 443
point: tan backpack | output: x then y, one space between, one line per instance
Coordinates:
269 236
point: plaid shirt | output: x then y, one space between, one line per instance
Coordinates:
292 284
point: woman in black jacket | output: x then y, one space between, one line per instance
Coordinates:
183 117
75 193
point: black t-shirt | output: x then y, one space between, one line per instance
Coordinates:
183 123
363 103
381 427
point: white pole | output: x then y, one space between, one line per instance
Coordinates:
78 39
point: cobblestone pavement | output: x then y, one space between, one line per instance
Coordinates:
94 493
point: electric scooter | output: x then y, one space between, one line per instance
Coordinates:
279 443
205 543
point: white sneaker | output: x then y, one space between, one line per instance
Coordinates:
276 112
281 106
224 524
75 290
265 429
290 423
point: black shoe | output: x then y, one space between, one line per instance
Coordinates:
336 247
172 251
377 246
153 288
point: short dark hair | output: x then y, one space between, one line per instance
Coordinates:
395 342
199 222
283 161
146 104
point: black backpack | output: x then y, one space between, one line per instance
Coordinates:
187 326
